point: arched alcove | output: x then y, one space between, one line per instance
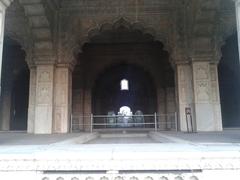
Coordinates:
116 52
15 87
229 83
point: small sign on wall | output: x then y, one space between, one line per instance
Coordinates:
188 113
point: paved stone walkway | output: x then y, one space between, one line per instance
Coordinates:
207 138
51 155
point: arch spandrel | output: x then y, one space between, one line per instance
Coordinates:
80 33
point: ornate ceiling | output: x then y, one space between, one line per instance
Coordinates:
56 29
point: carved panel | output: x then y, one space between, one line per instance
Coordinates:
136 176
119 178
89 178
163 178
193 178
213 72
32 89
43 94
202 89
104 178
44 76
58 117
133 178
201 71
178 178
61 94
74 178
60 178
148 178
202 79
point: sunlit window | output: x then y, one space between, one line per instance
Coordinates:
124 84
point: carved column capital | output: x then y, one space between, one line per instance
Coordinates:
44 59
70 66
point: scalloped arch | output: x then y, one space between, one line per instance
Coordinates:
74 41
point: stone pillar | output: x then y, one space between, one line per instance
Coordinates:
5 124
237 6
6 102
44 99
78 109
62 99
184 93
161 102
3 6
216 97
202 96
87 108
206 95
170 107
32 100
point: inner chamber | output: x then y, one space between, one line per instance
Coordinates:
122 67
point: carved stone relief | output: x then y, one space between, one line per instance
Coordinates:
58 116
163 178
119 178
201 71
104 178
202 89
202 79
43 94
193 178
134 178
89 178
44 76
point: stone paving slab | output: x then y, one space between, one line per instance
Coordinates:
22 138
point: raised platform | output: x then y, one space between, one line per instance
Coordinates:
180 156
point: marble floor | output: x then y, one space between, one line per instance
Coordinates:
148 154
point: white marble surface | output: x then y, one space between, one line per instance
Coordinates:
174 158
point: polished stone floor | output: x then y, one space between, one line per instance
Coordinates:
85 152
227 137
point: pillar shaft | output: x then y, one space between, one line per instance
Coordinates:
170 107
184 94
77 118
202 96
44 99
161 96
32 100
206 95
237 6
5 125
62 99
198 89
87 108
2 22
6 113
217 115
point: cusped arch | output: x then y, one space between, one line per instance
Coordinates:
110 33
73 42
17 28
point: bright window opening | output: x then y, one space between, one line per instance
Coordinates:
124 85
125 111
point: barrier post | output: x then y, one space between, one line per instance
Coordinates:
91 123
176 122
71 123
155 119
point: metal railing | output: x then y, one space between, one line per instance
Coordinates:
147 121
